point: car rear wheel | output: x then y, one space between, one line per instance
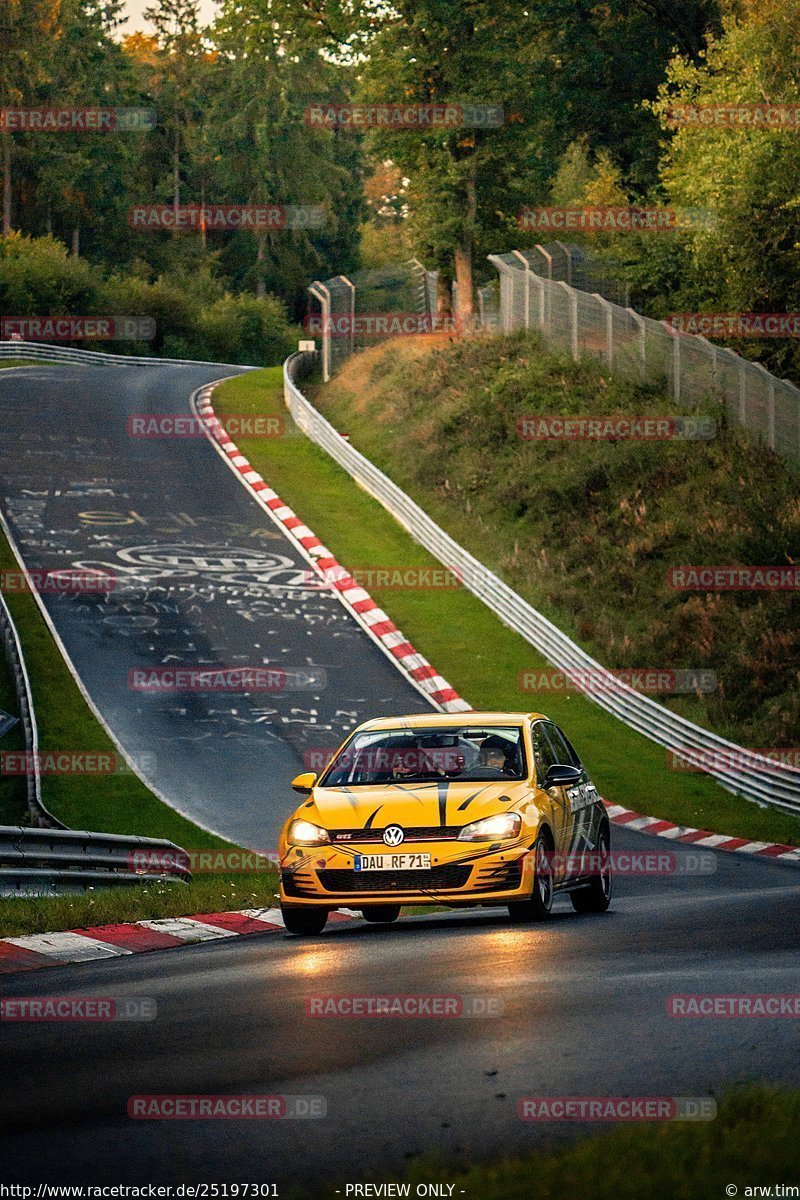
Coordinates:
381 914
596 896
538 907
304 922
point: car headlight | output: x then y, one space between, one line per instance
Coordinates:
303 833
504 825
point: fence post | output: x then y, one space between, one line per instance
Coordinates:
572 296
526 268
321 293
712 350
352 337
640 325
548 259
568 253
770 380
676 367
605 306
742 392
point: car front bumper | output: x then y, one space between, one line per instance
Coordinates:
460 873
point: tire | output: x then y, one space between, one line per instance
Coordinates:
596 896
304 922
381 914
538 907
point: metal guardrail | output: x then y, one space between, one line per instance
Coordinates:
38 351
53 861
37 812
764 781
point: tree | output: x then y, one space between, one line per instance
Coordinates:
748 258
27 31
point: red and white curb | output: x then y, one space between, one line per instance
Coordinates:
356 599
656 827
37 950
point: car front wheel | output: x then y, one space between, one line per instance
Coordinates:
538 907
381 914
304 922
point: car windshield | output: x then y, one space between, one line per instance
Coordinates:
459 752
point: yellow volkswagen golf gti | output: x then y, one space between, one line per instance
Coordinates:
476 809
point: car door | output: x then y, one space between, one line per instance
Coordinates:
560 817
580 800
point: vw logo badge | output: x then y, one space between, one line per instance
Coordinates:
393 835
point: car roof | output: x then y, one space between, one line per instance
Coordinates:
434 720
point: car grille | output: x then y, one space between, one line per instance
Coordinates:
420 833
443 879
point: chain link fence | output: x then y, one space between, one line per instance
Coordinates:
692 369
348 314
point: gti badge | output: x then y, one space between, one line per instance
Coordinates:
393 835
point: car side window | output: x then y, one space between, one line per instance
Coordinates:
564 753
542 750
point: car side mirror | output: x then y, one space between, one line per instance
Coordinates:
561 775
304 783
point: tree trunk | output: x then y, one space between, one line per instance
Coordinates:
203 237
261 288
76 241
463 252
6 184
176 167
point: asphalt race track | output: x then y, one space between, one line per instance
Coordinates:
202 575
581 1002
583 1013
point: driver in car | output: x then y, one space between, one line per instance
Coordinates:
495 755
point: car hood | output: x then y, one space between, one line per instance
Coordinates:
413 805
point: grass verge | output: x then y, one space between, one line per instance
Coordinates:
204 894
478 655
752 1141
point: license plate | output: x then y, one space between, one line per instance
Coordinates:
392 862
